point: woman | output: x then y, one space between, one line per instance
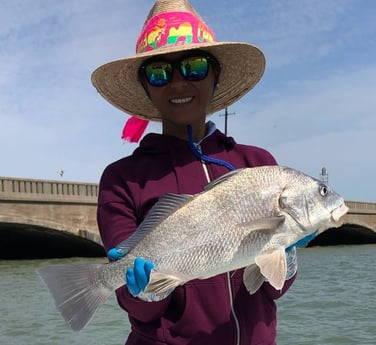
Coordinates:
178 76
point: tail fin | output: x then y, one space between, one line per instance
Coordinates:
76 290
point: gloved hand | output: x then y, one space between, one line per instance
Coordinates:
138 276
291 262
303 241
291 257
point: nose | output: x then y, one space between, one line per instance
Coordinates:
177 76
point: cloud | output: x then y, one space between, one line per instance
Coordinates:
313 107
296 32
327 122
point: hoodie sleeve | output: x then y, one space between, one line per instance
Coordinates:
117 221
141 310
275 294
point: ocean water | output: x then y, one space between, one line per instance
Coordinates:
331 302
333 299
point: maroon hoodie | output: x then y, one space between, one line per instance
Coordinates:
213 311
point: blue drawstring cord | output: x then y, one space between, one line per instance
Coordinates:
203 157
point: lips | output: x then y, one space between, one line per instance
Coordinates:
339 212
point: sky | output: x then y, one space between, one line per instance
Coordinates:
314 107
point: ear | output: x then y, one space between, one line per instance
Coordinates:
144 85
216 84
217 73
146 91
216 66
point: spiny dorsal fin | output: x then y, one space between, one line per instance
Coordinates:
221 179
166 205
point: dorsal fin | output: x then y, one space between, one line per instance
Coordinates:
166 205
221 179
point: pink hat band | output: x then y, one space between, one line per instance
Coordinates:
169 29
166 30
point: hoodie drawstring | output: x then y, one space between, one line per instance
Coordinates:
203 157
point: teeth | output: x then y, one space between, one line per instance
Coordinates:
181 100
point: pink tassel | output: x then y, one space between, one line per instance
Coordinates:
133 129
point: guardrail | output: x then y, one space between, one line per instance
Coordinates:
46 190
361 206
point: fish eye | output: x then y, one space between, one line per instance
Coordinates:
323 190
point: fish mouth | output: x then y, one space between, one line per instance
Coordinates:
338 212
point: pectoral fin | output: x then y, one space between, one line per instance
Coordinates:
264 224
273 267
253 279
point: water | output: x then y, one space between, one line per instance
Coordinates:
333 299
331 302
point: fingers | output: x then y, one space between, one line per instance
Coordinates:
132 285
137 278
140 274
148 267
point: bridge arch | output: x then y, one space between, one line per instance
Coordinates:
27 238
48 218
345 234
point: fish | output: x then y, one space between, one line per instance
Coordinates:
245 219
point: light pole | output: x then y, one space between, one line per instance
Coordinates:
226 114
324 175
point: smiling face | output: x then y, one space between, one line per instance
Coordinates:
182 102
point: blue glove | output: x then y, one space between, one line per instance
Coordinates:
291 262
303 241
138 276
291 257
115 254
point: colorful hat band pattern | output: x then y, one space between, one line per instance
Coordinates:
173 29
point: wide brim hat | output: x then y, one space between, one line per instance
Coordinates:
174 26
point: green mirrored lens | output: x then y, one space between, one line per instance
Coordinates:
158 73
194 68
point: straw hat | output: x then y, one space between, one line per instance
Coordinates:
174 26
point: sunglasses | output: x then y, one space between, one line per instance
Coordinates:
193 67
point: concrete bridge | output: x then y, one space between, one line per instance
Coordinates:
47 218
42 218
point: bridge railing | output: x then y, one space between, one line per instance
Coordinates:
361 207
52 190
47 190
